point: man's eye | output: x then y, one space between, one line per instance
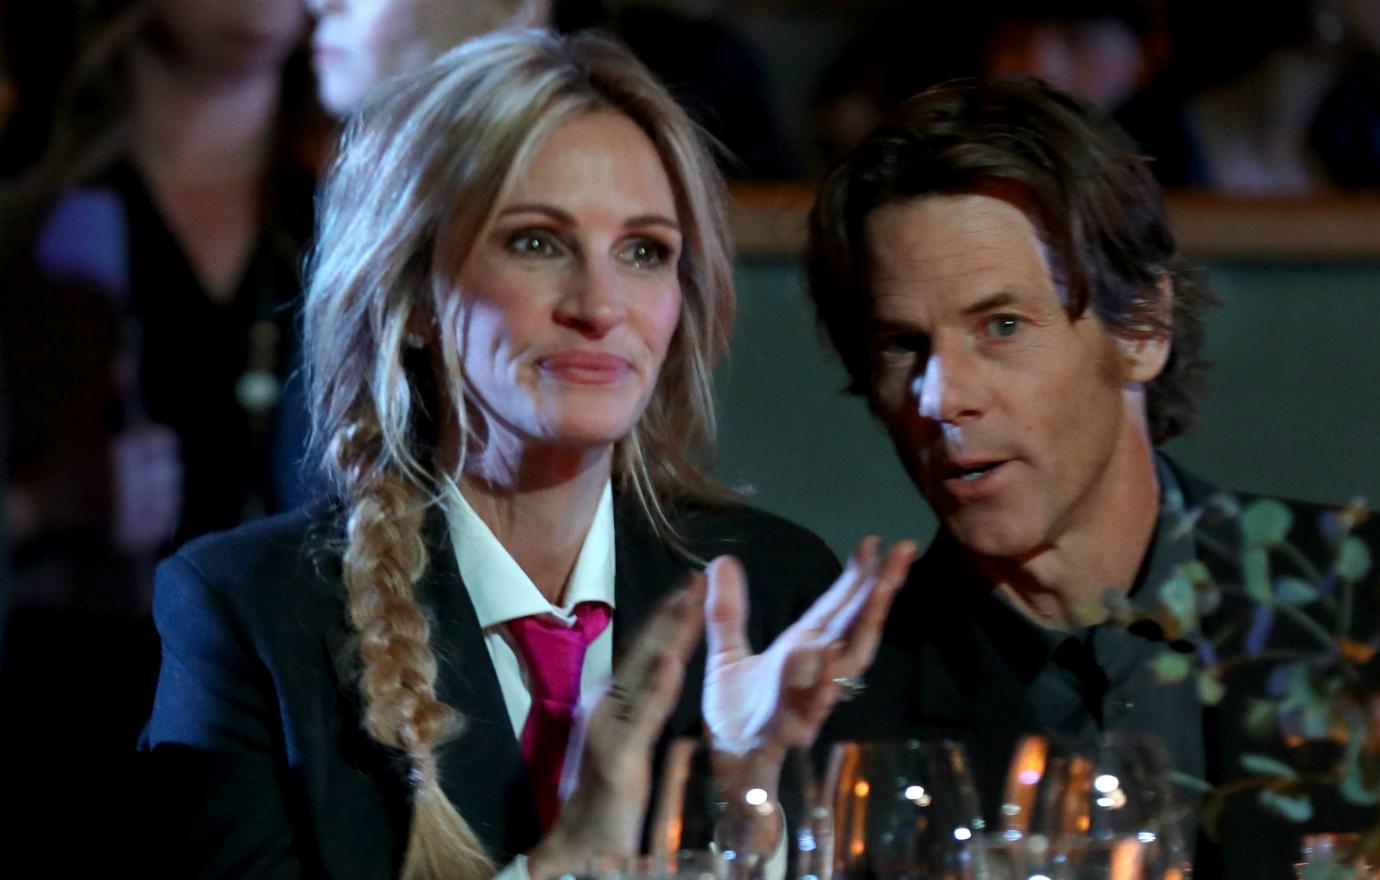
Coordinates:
530 242
645 253
904 343
1003 326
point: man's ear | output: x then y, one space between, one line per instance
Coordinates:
1146 356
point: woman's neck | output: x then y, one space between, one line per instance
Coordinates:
189 124
540 504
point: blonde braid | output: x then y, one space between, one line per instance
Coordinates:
384 558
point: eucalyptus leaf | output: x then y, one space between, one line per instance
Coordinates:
1267 766
1262 718
1195 572
1354 788
1359 786
1189 783
1255 572
1316 722
1170 667
1295 808
1295 591
1178 597
1226 503
1354 559
1210 689
1298 687
1266 522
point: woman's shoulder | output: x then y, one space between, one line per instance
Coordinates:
259 569
709 529
288 539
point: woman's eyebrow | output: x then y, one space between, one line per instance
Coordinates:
565 217
533 208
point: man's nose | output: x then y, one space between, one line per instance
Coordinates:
593 302
948 388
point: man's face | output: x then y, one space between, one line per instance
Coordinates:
1017 423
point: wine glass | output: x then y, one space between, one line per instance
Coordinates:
700 805
1102 812
896 810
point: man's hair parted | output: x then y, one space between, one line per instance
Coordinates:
1099 209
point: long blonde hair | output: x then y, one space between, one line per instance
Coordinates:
432 155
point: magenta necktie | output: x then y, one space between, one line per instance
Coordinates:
555 654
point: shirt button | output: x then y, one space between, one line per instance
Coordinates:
1123 705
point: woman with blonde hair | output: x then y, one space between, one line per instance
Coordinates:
520 290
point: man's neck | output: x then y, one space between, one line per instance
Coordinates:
1060 586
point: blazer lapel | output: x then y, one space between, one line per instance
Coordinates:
645 569
482 771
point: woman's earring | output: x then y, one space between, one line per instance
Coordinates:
414 340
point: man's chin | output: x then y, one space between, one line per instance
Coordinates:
993 536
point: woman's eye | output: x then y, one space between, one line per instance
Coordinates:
535 243
1003 326
645 253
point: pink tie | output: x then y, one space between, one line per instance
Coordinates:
555 654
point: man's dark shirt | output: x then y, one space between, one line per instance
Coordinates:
957 662
1099 679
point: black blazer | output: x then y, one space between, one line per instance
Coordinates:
945 671
257 760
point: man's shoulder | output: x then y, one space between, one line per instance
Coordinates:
1310 526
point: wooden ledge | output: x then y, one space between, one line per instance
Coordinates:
768 222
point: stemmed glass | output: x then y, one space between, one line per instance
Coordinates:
896 810
697 807
1103 813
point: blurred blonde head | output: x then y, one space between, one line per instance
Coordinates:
420 171
360 44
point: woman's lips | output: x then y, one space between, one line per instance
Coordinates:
585 367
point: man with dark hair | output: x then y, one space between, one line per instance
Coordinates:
994 266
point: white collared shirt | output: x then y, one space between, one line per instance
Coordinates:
501 591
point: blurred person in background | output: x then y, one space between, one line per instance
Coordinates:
150 257
1261 93
716 74
1346 129
357 45
1111 52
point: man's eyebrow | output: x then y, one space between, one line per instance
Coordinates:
886 325
995 301
568 219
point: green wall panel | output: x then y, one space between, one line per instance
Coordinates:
1294 407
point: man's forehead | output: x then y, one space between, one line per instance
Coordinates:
961 244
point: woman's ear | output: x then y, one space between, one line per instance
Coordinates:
421 329
1146 356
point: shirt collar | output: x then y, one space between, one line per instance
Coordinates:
1169 548
501 591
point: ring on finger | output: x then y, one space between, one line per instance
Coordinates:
622 703
850 685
